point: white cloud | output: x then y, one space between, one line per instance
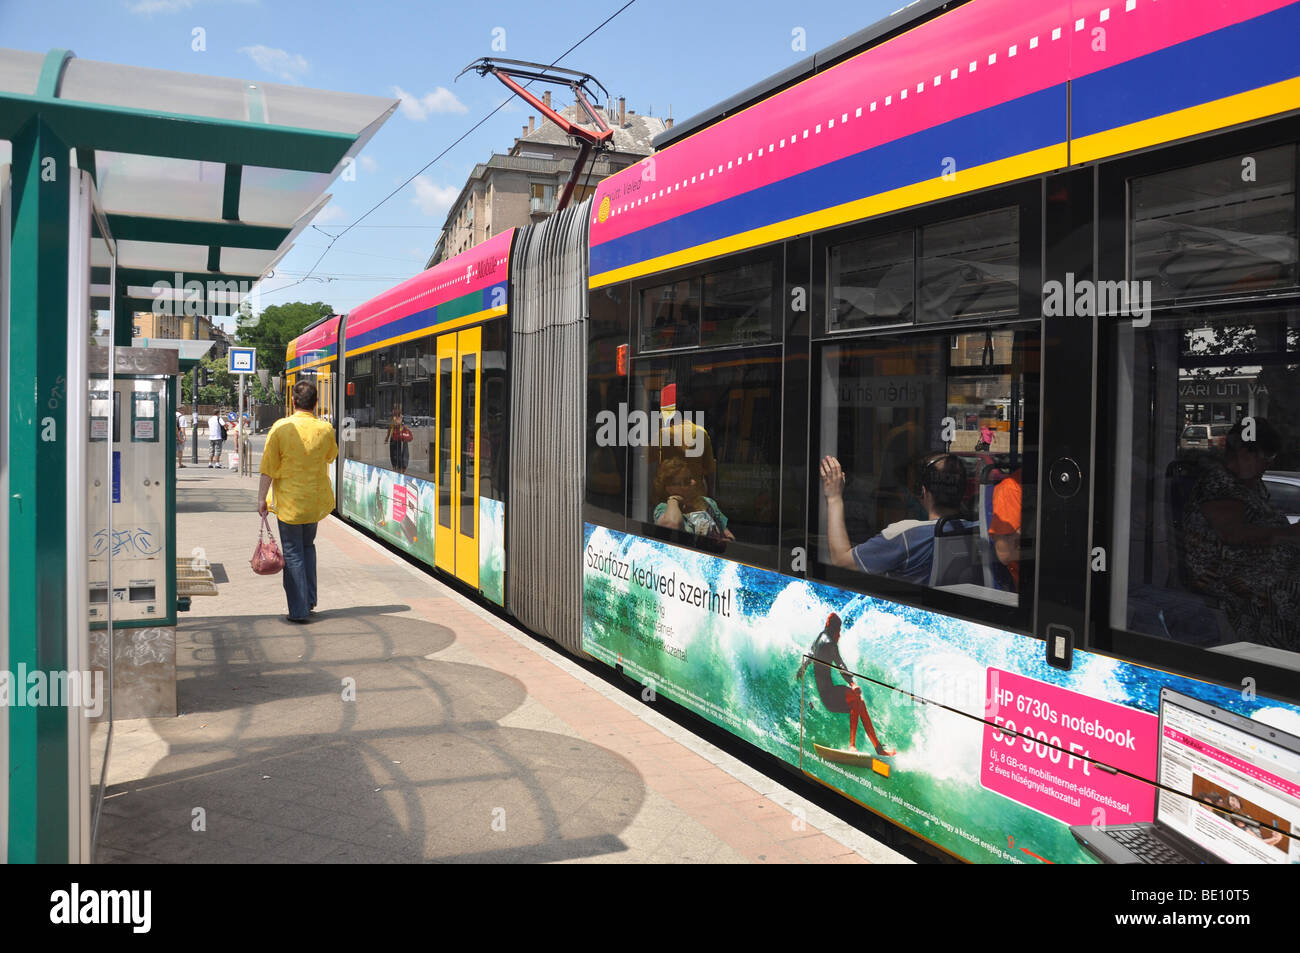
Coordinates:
150 7
441 100
330 213
279 63
369 164
159 6
433 200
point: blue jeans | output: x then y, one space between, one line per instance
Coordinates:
298 543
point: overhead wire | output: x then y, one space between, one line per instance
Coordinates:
448 149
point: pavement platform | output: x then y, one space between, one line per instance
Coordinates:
468 740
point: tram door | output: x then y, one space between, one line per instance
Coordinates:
460 373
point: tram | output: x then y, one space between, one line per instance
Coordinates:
877 376
314 355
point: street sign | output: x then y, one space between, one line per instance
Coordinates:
243 360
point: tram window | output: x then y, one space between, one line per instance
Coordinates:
388 401
1217 227
873 281
492 418
1206 537
921 451
738 305
468 451
670 315
417 405
446 462
970 267
359 407
607 332
712 476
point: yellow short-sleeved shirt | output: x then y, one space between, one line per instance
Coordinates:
299 449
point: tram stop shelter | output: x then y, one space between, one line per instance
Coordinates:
122 189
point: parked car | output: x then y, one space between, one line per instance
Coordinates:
1204 437
1284 491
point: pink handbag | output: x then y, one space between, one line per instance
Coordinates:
267 559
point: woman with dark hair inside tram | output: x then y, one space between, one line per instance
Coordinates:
1240 548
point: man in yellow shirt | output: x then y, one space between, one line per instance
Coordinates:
295 462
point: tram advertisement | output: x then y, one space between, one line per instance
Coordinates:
400 509
929 722
1033 762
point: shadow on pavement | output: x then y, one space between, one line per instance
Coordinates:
351 740
203 499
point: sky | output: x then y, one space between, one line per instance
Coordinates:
662 55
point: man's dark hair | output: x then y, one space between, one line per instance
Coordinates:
304 395
945 477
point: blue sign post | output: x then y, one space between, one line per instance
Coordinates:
243 360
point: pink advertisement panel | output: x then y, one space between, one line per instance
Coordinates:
1054 773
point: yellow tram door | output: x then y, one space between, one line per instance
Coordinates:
460 375
324 393
444 530
469 350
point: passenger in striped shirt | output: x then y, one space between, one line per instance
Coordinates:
903 550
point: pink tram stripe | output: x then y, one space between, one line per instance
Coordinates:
977 56
474 269
318 338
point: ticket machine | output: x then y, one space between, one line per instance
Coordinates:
131 537
135 412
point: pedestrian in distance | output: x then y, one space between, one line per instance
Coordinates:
215 436
180 440
295 474
399 441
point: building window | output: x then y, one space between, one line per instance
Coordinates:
542 198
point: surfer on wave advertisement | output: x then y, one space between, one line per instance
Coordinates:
840 699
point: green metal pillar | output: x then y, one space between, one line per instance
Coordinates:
38 736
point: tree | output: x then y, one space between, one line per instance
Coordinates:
1244 349
272 330
261 393
223 389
